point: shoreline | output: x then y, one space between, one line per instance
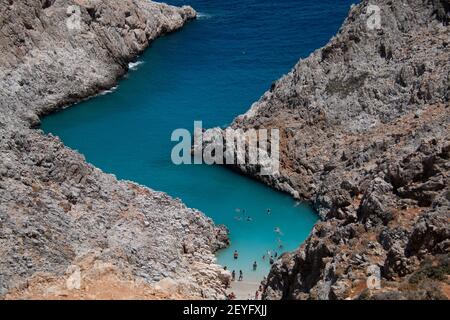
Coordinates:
243 290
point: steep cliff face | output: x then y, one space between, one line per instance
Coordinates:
365 137
65 225
57 52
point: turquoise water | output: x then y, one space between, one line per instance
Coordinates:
211 70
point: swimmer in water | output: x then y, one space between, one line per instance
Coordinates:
280 243
268 211
278 230
249 219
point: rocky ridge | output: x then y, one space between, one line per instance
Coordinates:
364 125
66 228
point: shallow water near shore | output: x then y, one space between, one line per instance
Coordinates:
212 70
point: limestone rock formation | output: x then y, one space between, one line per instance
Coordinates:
365 138
57 211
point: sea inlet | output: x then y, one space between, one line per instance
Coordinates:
212 70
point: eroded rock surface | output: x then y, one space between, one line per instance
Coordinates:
365 138
57 211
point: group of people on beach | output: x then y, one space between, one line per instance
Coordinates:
269 256
233 275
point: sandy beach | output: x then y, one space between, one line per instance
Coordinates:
244 290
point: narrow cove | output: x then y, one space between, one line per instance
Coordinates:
212 70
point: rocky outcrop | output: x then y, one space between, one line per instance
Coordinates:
57 211
364 125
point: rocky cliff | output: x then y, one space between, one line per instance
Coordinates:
66 228
365 138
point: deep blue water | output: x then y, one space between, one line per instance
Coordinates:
212 70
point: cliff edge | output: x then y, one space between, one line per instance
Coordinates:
68 230
364 124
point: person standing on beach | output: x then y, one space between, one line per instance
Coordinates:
233 276
255 265
241 275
